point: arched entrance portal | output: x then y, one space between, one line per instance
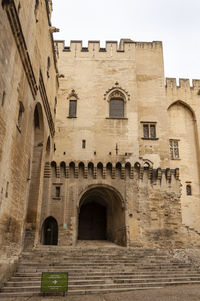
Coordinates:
50 231
102 216
92 221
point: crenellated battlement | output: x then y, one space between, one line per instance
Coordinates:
112 47
184 83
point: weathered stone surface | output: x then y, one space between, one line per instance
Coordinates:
96 129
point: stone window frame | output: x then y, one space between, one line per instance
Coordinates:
174 149
117 92
72 97
149 125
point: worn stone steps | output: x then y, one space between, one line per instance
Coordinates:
89 287
106 281
103 264
74 292
100 270
111 276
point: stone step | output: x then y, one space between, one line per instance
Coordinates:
107 281
97 259
89 287
100 269
74 292
144 264
92 276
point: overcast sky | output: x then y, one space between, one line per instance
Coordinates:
174 22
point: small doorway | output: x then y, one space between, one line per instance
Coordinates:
50 231
92 222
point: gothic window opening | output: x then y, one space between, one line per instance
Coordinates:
20 113
3 98
72 108
149 131
188 190
116 109
55 104
36 118
48 66
174 149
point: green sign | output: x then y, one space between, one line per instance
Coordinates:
54 282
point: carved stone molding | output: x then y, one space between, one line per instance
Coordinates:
73 94
116 91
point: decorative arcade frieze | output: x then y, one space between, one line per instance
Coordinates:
108 170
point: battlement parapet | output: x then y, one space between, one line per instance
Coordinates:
184 83
125 45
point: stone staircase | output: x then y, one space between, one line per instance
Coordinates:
100 269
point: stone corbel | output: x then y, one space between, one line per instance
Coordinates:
53 29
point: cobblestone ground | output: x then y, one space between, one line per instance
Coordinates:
176 293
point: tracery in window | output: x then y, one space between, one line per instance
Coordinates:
116 109
174 149
117 99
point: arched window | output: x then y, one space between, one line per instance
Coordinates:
117 99
116 109
188 190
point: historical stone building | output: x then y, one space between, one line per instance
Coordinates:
104 149
28 89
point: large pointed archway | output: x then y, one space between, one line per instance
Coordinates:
102 215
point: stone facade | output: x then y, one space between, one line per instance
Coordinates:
28 89
104 149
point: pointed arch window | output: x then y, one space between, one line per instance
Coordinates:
116 108
117 99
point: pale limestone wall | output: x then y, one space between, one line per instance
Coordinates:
136 69
183 115
91 74
152 105
145 204
16 146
